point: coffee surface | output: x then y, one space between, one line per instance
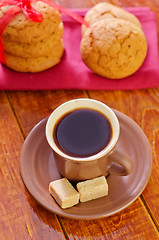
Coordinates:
82 132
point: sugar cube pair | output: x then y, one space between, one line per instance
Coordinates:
67 196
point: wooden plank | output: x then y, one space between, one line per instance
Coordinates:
31 107
21 217
143 107
133 221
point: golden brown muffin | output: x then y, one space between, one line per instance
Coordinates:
35 64
113 48
33 46
23 30
35 49
106 10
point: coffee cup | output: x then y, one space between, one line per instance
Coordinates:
83 134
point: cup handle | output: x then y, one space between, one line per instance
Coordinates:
119 163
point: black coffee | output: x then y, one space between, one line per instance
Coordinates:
82 132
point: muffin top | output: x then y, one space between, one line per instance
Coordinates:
106 10
113 48
21 29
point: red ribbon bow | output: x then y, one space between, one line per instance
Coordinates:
31 13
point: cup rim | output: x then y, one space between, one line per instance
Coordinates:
80 103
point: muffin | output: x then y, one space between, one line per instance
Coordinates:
113 48
35 64
33 46
21 29
106 10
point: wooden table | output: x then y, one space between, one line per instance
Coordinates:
21 217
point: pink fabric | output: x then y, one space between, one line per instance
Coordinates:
72 73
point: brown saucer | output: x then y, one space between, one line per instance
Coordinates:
38 169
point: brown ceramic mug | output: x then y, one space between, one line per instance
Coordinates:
106 161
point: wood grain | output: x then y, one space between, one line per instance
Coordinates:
21 216
133 221
143 107
30 107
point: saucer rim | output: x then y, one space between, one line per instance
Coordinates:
95 216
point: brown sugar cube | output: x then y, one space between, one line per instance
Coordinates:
64 193
92 189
